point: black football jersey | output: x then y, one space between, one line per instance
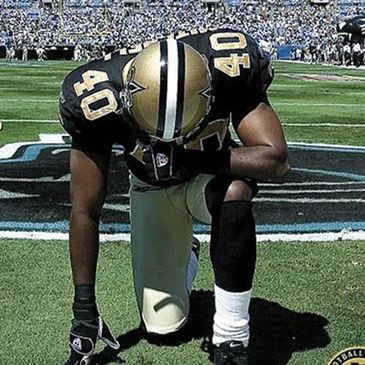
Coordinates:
90 100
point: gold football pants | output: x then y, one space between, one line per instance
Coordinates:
161 237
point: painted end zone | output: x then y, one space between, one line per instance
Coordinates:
322 200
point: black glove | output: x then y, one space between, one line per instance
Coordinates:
164 162
83 337
170 162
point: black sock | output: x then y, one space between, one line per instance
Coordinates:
233 245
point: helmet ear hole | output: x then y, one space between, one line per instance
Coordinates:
168 90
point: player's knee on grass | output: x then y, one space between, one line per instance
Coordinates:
163 300
163 313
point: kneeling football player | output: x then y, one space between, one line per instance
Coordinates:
171 106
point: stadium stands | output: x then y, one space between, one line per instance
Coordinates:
282 26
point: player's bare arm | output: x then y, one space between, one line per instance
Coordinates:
265 153
87 189
263 156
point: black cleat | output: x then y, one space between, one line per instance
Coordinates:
231 353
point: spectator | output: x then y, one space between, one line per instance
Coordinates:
93 23
356 54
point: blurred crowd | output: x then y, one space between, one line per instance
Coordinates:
93 25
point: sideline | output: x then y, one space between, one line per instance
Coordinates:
344 235
288 124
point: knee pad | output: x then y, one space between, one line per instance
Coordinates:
163 311
166 320
233 245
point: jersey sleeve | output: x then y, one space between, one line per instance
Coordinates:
89 104
241 71
69 111
87 138
245 102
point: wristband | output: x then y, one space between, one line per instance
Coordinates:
85 312
84 293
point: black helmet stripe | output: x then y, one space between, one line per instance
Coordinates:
180 88
172 83
163 89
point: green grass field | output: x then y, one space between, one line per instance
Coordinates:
30 92
308 299
307 305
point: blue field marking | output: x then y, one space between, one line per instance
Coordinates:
345 175
329 148
115 228
31 153
311 227
58 226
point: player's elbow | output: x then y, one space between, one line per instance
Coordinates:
282 168
281 164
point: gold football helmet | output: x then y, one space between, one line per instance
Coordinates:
168 91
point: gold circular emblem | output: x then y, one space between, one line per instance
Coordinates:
350 356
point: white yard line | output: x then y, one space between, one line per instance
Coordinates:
325 145
46 179
24 89
320 104
289 124
313 183
324 125
30 120
309 200
55 100
321 191
277 237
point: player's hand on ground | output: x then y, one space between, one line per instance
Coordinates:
162 162
83 338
